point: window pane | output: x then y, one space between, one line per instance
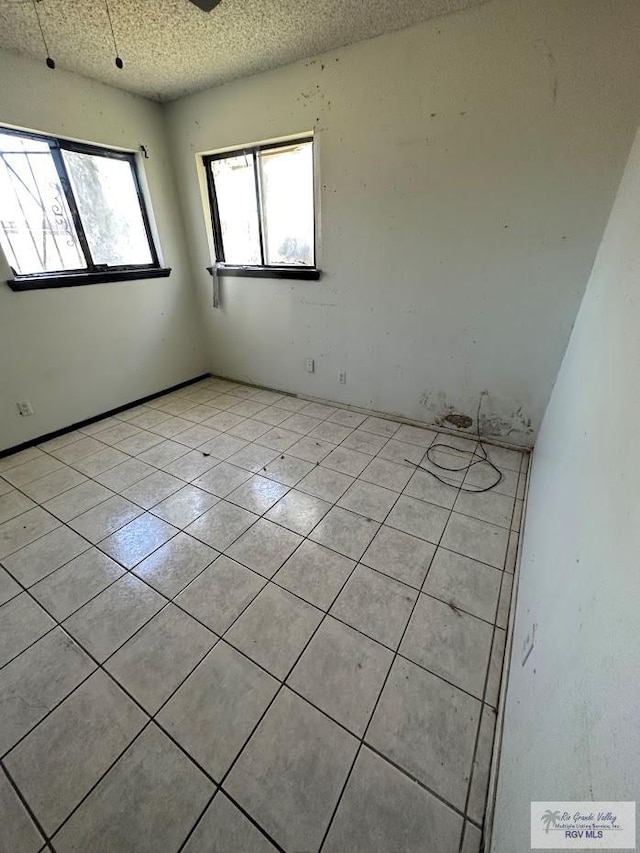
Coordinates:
287 204
36 229
109 208
236 194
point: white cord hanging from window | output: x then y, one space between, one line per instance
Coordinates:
213 269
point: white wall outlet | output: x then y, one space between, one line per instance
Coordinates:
342 377
25 409
310 365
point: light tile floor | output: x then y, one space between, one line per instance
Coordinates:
233 620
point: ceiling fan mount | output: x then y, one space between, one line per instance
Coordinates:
206 5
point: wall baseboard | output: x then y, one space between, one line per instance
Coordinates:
389 416
492 788
48 436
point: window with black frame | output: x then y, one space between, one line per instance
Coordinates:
71 213
263 211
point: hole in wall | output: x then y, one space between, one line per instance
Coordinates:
459 421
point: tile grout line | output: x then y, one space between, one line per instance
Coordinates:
100 666
283 683
149 511
381 691
24 802
126 570
290 688
92 544
152 718
269 580
493 773
145 510
168 601
486 684
119 494
219 636
190 482
182 530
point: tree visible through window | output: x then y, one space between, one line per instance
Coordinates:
70 208
262 204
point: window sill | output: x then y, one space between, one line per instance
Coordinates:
46 281
301 273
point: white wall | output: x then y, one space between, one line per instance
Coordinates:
79 351
571 723
467 167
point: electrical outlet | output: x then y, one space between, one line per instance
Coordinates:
342 377
310 365
25 409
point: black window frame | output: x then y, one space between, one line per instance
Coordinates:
92 273
293 271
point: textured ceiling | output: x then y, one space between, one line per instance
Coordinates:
171 48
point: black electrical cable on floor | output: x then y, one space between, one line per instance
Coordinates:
476 459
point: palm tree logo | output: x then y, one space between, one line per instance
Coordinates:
550 818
